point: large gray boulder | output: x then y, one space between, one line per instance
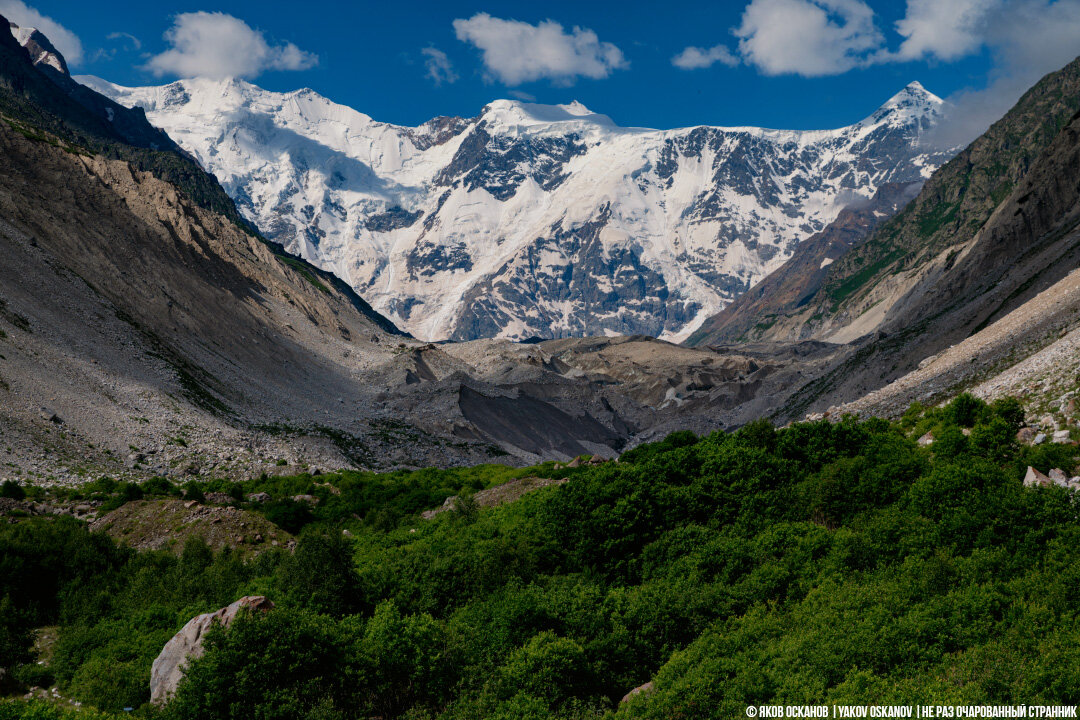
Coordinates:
187 645
1034 478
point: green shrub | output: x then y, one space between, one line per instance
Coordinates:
965 410
284 664
13 490
158 486
33 675
193 491
289 515
321 575
819 563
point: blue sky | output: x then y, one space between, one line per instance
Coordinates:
774 63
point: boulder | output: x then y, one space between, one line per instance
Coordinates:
1058 475
1061 437
259 497
640 689
309 499
168 668
1025 435
220 498
49 416
1039 439
1034 478
926 440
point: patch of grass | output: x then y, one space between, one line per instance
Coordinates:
301 267
929 223
843 290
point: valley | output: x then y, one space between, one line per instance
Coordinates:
527 415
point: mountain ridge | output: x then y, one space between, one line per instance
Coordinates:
529 220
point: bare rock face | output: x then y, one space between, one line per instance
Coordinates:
639 690
168 668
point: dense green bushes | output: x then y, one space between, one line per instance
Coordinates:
825 562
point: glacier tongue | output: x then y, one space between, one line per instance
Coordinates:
533 220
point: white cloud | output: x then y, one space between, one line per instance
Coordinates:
943 29
1028 39
63 39
136 44
1035 36
521 95
439 68
693 58
807 37
516 52
218 45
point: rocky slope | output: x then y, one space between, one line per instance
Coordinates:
141 334
41 95
530 220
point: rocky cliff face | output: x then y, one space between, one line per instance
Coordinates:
529 220
37 93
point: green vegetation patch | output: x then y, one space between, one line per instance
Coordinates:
305 271
816 564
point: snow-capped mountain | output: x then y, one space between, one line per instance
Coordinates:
532 220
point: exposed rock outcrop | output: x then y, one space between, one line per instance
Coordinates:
186 645
639 690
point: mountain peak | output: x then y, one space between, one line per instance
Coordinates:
516 112
42 52
913 102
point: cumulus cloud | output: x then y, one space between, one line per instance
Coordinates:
943 29
439 68
516 52
63 39
217 45
807 37
693 58
1028 39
